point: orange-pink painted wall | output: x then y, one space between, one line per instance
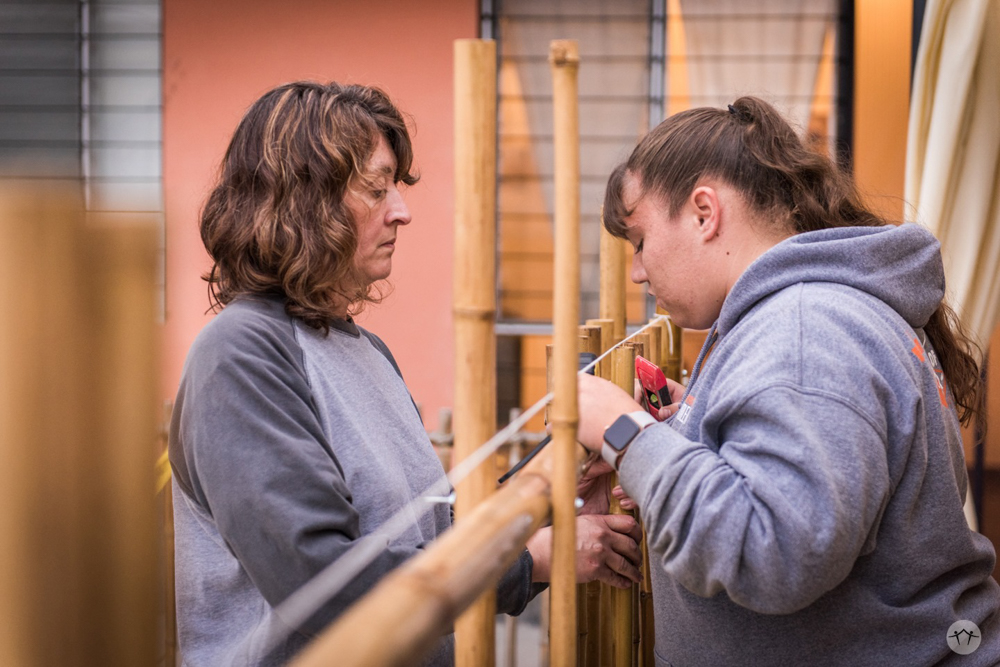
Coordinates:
219 56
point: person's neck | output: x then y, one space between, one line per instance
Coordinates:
746 244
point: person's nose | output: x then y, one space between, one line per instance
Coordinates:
638 273
399 213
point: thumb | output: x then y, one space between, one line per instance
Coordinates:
624 524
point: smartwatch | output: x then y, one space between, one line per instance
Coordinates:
621 433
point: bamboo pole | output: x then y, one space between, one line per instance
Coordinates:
607 340
564 60
623 369
403 617
672 349
646 624
612 282
588 596
612 308
475 309
654 351
78 423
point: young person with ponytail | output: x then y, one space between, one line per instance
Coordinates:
804 504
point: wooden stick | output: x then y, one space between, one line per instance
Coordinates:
672 349
599 604
564 60
623 368
588 596
403 617
612 284
474 419
78 427
646 624
607 335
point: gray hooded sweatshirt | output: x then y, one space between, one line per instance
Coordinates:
804 507
287 447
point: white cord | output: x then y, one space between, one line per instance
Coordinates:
307 600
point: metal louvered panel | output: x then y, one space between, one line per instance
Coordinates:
121 135
39 90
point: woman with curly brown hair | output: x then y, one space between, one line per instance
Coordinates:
803 500
293 433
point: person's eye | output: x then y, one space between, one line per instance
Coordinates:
378 194
638 248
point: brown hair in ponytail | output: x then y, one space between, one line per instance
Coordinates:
753 149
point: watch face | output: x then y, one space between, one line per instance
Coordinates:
621 432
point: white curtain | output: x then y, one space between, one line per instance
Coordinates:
953 154
767 48
953 151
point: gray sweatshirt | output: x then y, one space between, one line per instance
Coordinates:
804 507
287 446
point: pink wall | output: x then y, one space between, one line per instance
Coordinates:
220 56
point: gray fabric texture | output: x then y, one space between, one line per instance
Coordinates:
287 446
805 504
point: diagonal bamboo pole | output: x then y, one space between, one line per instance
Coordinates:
475 309
404 616
564 60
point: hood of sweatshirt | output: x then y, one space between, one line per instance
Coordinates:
900 266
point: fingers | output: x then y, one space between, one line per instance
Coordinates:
623 499
676 390
595 466
620 573
667 411
608 550
624 524
621 563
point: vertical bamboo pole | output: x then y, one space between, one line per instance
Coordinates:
612 282
671 349
78 423
598 599
646 624
588 611
623 374
475 309
607 335
612 307
564 60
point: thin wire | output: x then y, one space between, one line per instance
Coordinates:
307 600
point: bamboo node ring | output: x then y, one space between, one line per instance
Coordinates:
474 312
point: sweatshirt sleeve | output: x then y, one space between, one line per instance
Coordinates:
248 446
779 514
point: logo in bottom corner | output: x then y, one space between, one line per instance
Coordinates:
964 637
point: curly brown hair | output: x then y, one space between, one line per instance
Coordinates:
276 221
752 148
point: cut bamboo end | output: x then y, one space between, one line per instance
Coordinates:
564 53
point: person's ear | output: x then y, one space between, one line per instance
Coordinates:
705 205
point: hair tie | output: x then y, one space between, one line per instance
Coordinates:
741 115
